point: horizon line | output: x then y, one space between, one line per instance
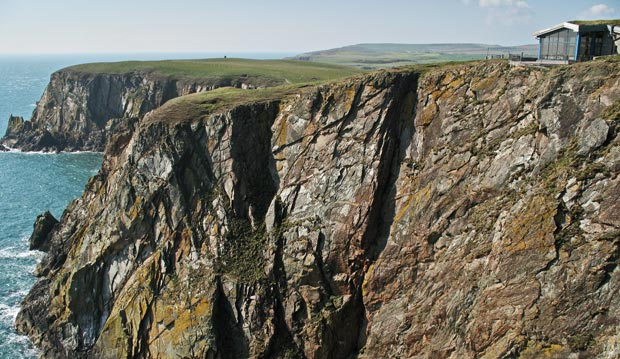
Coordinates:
224 52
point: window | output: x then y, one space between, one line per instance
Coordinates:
598 45
559 45
572 43
585 42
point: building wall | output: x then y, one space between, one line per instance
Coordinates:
594 44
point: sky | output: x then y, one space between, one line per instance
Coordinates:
290 26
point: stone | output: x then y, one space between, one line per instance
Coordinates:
594 135
43 226
78 122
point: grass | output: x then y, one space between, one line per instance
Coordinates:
615 22
273 72
190 107
376 56
196 106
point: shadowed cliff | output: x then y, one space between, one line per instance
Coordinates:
82 103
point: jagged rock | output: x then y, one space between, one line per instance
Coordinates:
76 106
399 214
16 124
593 136
43 226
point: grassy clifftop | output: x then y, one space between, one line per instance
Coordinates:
376 56
273 71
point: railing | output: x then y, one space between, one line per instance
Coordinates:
512 57
491 57
522 57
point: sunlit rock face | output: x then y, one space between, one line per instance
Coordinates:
466 211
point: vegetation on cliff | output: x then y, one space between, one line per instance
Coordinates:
266 72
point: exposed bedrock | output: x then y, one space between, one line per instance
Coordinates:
470 211
76 107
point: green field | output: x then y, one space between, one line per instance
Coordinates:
272 71
376 56
195 106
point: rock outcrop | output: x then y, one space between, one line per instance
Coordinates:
76 107
467 211
43 226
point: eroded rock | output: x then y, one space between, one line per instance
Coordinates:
593 136
43 226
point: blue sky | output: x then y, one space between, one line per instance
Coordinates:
85 26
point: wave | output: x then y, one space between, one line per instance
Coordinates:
18 346
17 294
17 150
15 253
8 313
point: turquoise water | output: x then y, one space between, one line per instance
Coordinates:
31 183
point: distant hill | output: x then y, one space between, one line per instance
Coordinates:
373 56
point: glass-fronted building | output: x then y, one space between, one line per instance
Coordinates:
578 40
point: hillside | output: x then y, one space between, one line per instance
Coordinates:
458 211
374 56
83 103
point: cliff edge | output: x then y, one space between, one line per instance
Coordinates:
82 104
465 211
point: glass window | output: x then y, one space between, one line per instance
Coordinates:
553 46
561 52
585 45
572 42
543 47
598 45
559 45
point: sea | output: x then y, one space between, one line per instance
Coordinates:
32 183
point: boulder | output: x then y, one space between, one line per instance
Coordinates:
43 226
593 136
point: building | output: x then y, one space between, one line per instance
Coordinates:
578 41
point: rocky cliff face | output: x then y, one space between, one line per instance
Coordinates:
76 109
464 212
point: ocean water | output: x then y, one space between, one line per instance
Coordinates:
31 183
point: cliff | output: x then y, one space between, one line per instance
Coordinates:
75 108
467 211
82 104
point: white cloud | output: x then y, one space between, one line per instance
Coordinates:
519 4
522 5
599 10
506 12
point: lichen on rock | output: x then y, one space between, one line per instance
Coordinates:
464 211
